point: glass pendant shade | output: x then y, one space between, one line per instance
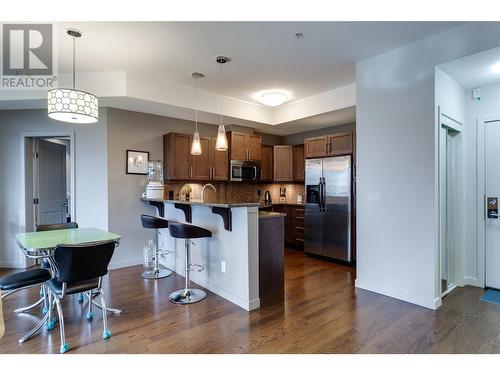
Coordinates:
73 106
221 141
196 144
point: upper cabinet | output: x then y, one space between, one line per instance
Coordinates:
298 163
329 145
218 162
283 163
181 165
266 164
243 146
177 156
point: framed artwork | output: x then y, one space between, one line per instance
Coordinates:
137 162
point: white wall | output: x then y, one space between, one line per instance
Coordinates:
90 168
396 144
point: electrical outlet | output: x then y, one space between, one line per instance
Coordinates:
223 266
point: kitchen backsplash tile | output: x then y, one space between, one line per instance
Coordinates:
235 192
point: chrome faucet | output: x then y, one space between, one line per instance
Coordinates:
203 191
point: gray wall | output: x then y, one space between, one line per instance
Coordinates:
295 139
396 156
136 131
90 168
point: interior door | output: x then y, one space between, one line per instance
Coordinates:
313 207
50 183
492 181
337 211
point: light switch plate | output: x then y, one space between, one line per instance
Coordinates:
375 197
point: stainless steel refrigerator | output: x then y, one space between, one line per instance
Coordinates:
327 221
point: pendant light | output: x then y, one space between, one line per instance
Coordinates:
196 144
221 141
71 105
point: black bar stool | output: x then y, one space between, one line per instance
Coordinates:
156 223
187 232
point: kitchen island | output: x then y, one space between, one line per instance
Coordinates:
230 257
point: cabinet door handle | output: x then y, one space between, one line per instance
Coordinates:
191 171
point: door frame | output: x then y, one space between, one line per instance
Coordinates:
23 201
446 121
481 197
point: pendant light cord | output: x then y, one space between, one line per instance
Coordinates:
196 105
221 93
74 80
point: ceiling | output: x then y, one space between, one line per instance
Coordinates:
475 70
265 55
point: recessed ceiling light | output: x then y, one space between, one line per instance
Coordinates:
496 67
273 99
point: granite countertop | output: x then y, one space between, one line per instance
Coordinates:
197 202
270 215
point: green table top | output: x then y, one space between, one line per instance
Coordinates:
33 241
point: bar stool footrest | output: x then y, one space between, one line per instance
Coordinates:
196 268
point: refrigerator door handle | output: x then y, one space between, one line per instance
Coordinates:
324 194
320 195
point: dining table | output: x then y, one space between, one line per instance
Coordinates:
42 245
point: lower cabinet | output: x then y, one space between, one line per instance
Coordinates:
294 223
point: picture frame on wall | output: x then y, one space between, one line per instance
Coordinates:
137 162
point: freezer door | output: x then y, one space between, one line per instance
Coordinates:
313 204
336 220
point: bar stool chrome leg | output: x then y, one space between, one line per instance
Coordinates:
156 272
187 295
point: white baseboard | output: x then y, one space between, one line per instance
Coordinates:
430 303
472 281
12 265
125 263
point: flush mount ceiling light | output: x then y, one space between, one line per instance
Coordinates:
71 105
196 144
273 99
221 141
496 68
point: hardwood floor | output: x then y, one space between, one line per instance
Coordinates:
322 313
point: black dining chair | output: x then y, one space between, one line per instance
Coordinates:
81 268
45 263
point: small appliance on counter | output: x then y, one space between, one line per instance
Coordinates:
154 188
267 198
282 195
300 198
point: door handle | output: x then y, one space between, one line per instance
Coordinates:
492 215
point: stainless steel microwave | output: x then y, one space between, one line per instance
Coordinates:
242 170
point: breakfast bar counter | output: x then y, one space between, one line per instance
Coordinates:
230 257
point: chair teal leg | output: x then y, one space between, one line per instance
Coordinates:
106 333
64 345
51 320
90 313
80 298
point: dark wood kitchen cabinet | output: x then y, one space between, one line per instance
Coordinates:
294 223
298 163
266 164
244 146
218 162
200 164
283 163
179 164
177 156
329 145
